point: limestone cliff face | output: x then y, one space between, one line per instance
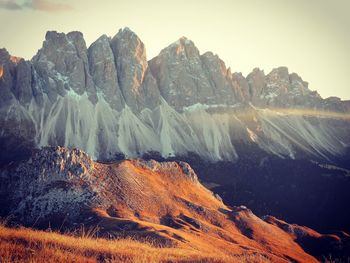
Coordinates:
62 65
180 75
104 72
137 84
108 99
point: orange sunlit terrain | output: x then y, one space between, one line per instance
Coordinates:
160 212
27 245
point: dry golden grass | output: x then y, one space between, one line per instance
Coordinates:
28 245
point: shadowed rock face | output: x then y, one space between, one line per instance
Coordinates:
313 242
62 65
159 200
108 99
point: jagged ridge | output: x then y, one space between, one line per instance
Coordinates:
108 99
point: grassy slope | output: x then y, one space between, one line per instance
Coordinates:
28 245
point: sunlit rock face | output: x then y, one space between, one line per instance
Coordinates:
109 99
104 72
181 76
137 84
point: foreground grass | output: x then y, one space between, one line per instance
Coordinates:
28 245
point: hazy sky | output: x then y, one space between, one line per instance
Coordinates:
311 37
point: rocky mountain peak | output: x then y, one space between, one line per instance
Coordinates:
240 87
108 99
76 36
256 81
127 31
277 81
137 84
63 65
294 77
257 71
186 42
211 55
279 88
104 39
185 78
104 73
4 58
282 72
15 77
214 59
4 55
183 48
55 37
61 39
126 39
284 89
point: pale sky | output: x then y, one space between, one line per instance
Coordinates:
310 37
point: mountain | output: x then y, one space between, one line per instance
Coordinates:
161 201
108 99
265 141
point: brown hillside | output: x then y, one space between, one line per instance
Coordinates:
163 203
